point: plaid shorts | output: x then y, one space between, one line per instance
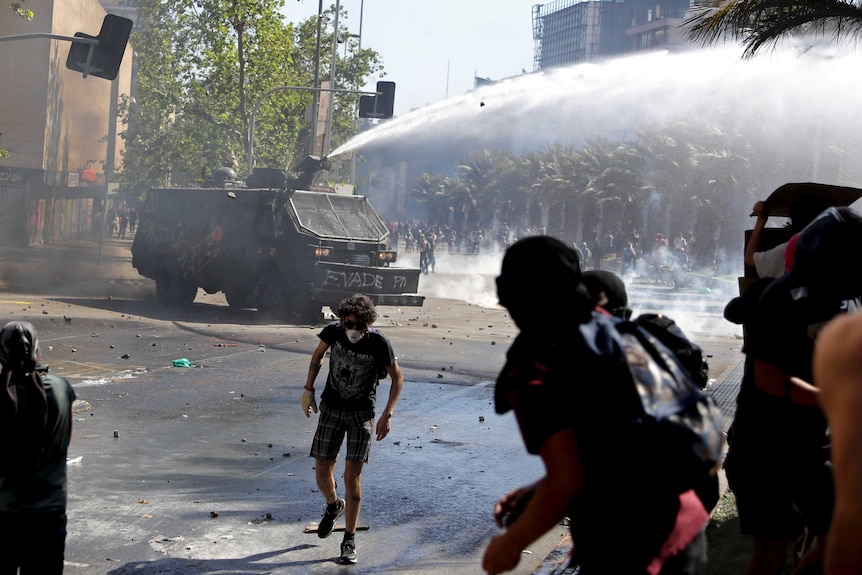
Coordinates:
331 427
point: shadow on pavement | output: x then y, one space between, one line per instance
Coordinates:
258 563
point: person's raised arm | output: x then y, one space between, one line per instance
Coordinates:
753 245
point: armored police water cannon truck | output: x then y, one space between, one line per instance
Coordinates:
275 243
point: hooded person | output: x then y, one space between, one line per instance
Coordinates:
36 418
778 464
540 275
566 399
608 292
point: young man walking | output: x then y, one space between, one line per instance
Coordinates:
358 357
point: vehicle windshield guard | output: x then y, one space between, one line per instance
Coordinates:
338 216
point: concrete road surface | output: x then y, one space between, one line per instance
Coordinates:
205 470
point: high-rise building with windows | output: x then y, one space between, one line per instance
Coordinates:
569 32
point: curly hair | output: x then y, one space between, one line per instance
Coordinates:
359 305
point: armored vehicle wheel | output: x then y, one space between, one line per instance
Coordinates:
305 310
239 299
173 289
270 292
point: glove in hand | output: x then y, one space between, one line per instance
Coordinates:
309 404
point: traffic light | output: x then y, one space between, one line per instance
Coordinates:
380 106
107 55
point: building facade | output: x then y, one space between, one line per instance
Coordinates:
568 32
55 126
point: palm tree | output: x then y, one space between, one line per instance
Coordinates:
557 186
762 22
613 171
481 176
725 183
528 169
431 190
668 165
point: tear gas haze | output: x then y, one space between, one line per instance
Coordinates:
470 278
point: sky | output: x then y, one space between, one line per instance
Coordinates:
432 49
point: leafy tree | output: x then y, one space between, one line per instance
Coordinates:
667 158
205 68
558 187
613 182
352 68
762 22
476 175
18 8
431 191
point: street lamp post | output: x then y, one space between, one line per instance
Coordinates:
327 139
316 85
250 149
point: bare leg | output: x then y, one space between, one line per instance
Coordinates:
353 488
323 472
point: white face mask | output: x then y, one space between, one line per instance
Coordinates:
353 335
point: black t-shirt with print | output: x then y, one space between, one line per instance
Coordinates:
354 368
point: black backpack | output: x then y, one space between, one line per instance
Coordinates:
689 354
674 437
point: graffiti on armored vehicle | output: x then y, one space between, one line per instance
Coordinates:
200 254
192 254
363 280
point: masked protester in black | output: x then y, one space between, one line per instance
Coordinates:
36 421
566 400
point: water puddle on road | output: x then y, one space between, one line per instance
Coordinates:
106 379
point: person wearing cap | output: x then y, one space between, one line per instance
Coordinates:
608 292
36 421
565 401
359 354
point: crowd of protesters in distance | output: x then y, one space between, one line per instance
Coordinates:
122 217
660 258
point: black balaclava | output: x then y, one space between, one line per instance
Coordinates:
539 281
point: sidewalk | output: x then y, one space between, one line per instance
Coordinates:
77 267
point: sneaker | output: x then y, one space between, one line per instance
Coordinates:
330 516
348 552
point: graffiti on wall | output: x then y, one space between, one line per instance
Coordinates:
13 208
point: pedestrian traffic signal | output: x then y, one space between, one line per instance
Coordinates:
380 106
107 54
